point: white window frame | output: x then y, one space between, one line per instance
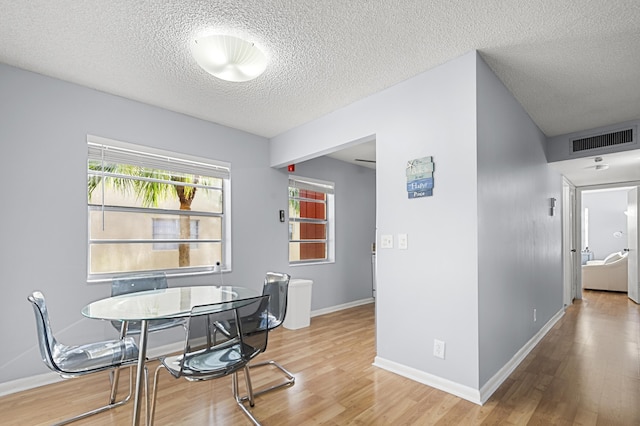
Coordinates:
167 160
328 188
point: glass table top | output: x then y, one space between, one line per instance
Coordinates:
174 302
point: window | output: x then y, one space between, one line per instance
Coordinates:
311 220
153 210
169 229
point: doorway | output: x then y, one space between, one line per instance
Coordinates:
603 226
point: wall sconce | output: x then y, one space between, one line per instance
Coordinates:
552 205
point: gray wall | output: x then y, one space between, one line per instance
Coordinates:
606 216
440 287
519 245
355 211
430 290
43 223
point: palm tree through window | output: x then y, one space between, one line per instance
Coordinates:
151 211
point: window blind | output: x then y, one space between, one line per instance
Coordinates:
311 184
121 153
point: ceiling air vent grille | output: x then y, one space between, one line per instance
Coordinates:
603 141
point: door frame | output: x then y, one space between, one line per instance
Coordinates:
578 220
569 243
632 244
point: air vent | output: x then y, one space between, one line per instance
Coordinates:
603 141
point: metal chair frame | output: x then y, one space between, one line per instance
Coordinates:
46 340
276 285
244 338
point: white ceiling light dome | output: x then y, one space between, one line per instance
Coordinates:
228 57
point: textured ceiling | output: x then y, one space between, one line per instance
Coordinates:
623 167
573 65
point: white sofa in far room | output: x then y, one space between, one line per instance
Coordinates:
608 274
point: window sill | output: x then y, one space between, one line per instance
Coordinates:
169 275
322 262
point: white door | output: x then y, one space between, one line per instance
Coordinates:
632 244
569 245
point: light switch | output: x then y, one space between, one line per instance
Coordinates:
403 242
386 241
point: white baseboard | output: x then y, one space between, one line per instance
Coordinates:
470 394
27 383
31 382
337 308
494 382
464 392
171 348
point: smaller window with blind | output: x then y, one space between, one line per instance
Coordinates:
311 220
152 210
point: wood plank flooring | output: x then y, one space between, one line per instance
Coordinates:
586 371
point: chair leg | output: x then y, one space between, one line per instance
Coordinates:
247 380
146 393
290 378
109 406
154 391
115 374
115 378
240 400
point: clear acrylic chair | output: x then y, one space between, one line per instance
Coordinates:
136 283
133 284
80 360
206 358
276 285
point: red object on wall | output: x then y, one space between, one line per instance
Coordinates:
313 231
291 167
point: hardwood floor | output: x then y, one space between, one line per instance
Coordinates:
586 371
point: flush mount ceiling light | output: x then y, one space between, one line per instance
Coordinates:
229 58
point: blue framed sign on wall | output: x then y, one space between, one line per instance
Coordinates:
420 177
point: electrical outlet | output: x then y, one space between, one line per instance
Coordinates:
386 241
438 348
535 317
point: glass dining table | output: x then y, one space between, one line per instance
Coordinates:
145 306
